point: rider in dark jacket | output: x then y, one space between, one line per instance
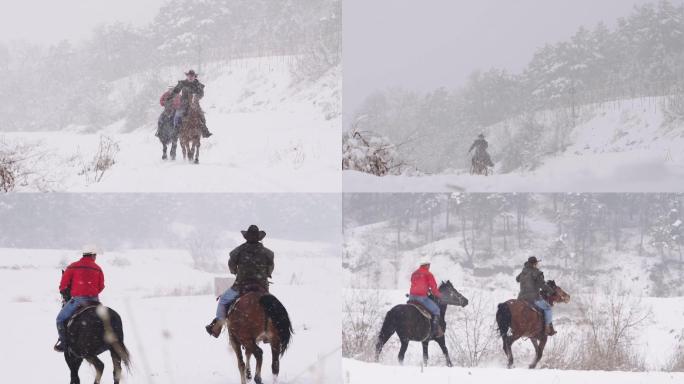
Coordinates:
252 264
480 146
532 282
188 87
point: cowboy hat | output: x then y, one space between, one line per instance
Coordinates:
191 72
253 233
425 260
89 250
533 260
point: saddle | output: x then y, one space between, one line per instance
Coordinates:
248 288
82 308
421 309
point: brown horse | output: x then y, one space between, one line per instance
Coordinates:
526 321
190 131
258 316
479 167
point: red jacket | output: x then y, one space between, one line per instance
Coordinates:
176 103
423 282
84 277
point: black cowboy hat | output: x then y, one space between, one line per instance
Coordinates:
253 233
191 72
533 260
480 135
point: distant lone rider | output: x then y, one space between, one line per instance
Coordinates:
532 282
252 264
186 88
480 146
82 281
422 285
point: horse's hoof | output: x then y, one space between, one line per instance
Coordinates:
258 380
196 161
248 375
164 157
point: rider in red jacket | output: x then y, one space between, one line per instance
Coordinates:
82 283
422 285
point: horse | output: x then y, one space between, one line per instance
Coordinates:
479 166
526 321
410 325
258 316
92 331
168 134
190 131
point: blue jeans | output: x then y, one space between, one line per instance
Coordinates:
68 310
177 117
428 303
224 302
546 307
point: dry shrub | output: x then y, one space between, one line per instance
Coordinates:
22 165
676 363
362 318
103 160
470 334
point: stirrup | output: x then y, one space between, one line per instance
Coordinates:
59 346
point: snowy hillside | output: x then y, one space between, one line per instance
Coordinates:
272 132
631 146
165 303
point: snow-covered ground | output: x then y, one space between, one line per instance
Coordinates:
630 148
356 372
272 133
165 303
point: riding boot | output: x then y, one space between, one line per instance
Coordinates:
215 327
205 129
59 346
549 330
435 330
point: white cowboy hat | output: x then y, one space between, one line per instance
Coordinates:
90 249
425 260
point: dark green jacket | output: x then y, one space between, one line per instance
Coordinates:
532 283
251 263
187 89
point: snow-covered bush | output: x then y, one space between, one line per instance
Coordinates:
370 153
361 323
102 161
24 165
471 337
676 363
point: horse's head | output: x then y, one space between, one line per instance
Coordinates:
559 295
451 296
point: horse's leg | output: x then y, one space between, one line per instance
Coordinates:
508 344
238 353
197 148
116 362
259 355
248 370
174 143
425 351
99 367
164 145
402 351
539 350
275 360
442 345
74 364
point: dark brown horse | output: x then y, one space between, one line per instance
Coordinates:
525 321
258 317
410 325
191 131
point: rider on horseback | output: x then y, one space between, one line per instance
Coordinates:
188 87
252 263
480 145
422 284
82 282
532 282
171 103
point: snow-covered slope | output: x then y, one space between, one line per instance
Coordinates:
272 133
630 147
164 303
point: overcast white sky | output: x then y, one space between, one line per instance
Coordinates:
425 44
49 21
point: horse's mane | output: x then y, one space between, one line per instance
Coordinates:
446 284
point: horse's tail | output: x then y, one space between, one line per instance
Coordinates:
503 319
281 321
386 331
116 342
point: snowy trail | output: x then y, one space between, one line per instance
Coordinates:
357 372
163 321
